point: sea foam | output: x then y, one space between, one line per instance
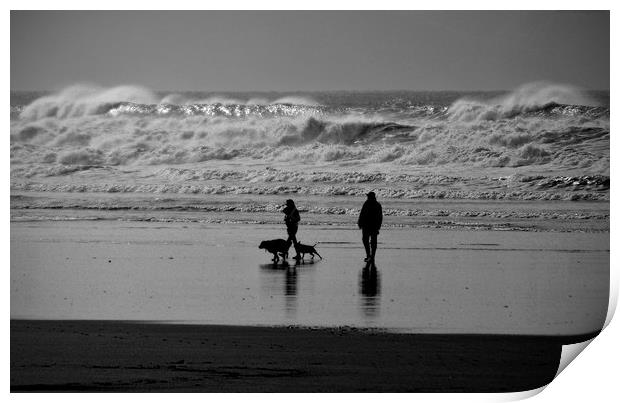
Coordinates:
536 128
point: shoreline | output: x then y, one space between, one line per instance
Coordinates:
66 355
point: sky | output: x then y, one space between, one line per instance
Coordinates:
309 51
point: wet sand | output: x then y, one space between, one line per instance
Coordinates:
128 356
445 310
426 281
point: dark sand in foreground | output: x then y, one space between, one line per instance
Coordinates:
126 356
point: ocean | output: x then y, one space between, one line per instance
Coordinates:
541 142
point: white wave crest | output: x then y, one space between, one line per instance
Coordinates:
68 128
82 100
526 98
85 99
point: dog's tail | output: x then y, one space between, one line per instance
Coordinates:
317 253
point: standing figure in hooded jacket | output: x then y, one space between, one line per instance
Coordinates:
291 219
370 221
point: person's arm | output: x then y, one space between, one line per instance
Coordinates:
362 218
380 218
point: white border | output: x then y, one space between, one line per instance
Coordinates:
594 375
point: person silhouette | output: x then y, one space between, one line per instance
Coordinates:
291 219
369 222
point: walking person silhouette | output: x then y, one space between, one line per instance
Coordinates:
369 221
291 219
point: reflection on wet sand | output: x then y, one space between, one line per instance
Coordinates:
370 290
273 275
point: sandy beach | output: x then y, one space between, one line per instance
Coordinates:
111 305
117 356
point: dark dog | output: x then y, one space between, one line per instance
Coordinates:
303 249
275 246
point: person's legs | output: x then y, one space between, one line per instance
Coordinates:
373 244
292 231
365 241
291 240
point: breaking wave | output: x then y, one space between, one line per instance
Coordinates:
82 129
534 99
82 100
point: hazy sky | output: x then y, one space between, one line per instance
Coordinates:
281 51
